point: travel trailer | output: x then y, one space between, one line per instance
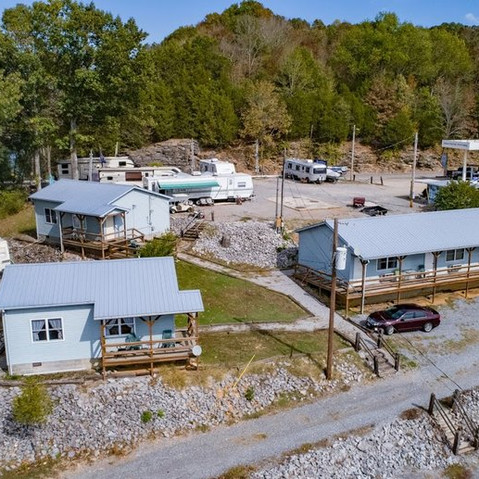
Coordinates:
134 175
305 170
203 188
64 168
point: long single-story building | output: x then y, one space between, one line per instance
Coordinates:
396 251
73 315
97 216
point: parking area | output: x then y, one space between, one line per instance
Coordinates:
305 203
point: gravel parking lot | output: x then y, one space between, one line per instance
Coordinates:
309 203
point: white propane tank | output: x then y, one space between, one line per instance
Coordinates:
341 252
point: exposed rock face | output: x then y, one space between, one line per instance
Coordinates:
174 152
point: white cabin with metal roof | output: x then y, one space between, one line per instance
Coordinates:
96 216
72 315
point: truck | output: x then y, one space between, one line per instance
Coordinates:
472 172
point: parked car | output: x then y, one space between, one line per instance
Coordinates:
404 317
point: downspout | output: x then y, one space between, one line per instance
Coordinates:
5 339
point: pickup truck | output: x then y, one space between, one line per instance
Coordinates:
472 171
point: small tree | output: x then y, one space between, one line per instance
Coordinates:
33 405
162 246
457 195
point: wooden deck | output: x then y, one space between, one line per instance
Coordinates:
106 246
395 287
148 353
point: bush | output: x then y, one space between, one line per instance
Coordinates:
146 416
162 246
11 202
457 195
249 394
33 405
160 413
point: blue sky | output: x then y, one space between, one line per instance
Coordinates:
159 18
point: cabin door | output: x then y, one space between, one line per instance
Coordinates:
113 227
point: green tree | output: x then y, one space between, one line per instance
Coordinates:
33 405
265 117
457 195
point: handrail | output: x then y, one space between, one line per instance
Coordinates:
383 344
473 429
435 403
357 347
193 221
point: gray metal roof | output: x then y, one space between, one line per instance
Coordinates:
116 288
86 197
415 233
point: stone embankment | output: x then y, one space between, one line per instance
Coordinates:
89 421
243 242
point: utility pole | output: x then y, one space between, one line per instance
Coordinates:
256 157
413 172
90 166
351 173
332 303
279 224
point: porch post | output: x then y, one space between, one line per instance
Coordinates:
125 235
103 348
364 263
436 255
102 238
150 330
469 253
400 259
60 227
82 235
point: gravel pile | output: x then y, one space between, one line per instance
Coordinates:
394 450
246 242
106 417
29 251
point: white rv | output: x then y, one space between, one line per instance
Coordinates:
217 167
64 168
134 175
305 170
4 254
204 188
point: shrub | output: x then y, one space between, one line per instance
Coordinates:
11 202
165 245
146 416
160 413
33 405
249 394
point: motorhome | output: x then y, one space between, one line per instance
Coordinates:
309 171
204 189
134 175
64 167
217 167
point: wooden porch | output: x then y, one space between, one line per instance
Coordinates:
396 287
148 353
121 244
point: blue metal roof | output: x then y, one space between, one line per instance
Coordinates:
116 288
415 233
86 197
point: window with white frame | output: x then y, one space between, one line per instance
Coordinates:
119 326
50 216
455 254
387 263
47 329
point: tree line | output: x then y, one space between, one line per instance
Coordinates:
75 79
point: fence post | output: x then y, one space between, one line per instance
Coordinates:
396 361
432 400
382 182
376 365
371 180
457 441
357 344
380 339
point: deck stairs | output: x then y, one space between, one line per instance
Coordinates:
193 231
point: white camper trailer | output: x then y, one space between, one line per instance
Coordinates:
205 188
64 168
4 254
134 175
305 170
217 167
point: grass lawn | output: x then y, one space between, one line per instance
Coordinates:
232 300
236 349
21 222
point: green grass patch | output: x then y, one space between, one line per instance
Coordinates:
236 349
21 222
231 300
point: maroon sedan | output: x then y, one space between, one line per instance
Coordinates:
404 317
